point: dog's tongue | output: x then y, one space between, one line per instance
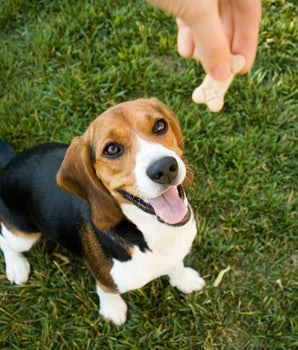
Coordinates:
169 206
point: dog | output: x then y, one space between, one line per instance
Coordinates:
115 197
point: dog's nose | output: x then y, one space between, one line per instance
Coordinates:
163 171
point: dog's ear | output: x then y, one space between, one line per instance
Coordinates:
77 176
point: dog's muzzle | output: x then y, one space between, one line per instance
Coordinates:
170 207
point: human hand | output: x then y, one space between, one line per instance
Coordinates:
212 30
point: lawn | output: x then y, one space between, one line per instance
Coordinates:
62 63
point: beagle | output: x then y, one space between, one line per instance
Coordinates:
119 203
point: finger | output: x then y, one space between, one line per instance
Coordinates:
247 16
185 42
226 15
210 39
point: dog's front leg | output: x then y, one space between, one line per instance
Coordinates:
112 306
186 279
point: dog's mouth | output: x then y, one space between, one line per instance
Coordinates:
169 207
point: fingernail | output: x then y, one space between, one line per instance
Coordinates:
221 71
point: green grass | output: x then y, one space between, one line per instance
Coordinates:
64 62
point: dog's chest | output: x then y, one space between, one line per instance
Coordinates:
168 247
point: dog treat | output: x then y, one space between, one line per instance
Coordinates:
212 92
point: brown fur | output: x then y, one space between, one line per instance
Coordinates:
19 233
77 176
96 260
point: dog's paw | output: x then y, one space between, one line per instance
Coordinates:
114 310
187 281
17 268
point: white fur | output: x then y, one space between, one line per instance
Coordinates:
17 266
186 279
112 306
147 154
168 247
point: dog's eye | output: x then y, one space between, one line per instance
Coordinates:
160 127
113 150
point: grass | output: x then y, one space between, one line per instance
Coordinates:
64 62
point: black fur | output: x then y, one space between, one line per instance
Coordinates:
6 153
32 202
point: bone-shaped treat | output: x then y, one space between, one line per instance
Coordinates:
212 91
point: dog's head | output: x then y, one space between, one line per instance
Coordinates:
132 153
